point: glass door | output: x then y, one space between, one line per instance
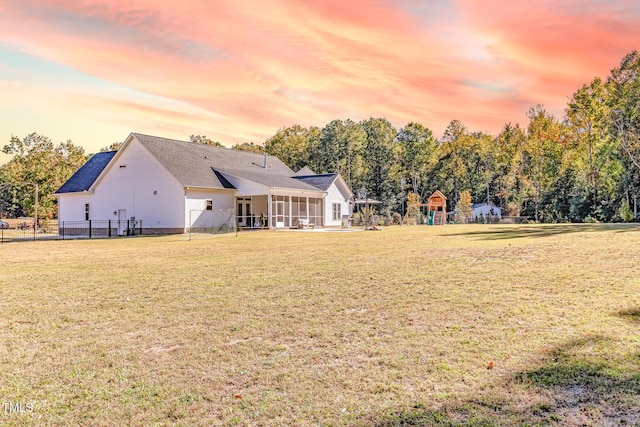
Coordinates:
244 213
279 214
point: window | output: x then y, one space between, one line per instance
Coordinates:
86 212
336 212
209 204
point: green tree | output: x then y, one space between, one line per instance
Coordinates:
113 147
623 87
509 168
379 160
623 100
340 149
293 145
418 152
488 153
36 160
464 209
461 164
249 146
590 152
202 139
542 157
413 207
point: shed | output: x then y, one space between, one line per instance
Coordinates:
485 210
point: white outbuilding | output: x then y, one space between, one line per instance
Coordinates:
485 210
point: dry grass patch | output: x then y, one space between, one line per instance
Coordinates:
397 327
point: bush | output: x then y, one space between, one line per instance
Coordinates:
625 212
591 220
459 217
388 220
357 218
396 218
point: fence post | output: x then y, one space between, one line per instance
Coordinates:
128 227
109 225
140 231
89 228
62 230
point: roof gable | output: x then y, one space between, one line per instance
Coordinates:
479 205
323 181
84 177
195 165
305 171
437 195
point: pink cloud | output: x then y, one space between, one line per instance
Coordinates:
258 66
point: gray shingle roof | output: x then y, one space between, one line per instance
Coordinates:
305 171
322 181
87 174
271 180
477 205
205 166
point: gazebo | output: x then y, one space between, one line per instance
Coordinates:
437 204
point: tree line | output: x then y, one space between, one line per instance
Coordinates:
584 166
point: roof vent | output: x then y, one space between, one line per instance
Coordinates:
264 164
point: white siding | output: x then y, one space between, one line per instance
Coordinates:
71 206
223 208
137 183
486 210
334 195
247 188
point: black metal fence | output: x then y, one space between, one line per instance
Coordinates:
90 229
72 230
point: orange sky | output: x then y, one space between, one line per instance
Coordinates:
94 71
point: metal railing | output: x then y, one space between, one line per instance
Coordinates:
71 230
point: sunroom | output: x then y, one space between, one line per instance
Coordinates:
280 210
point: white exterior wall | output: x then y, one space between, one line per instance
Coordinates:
130 190
334 195
223 210
486 211
247 188
132 187
71 206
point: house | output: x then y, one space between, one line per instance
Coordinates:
169 186
485 210
335 204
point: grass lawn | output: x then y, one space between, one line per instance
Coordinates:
471 325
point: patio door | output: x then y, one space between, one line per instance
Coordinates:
244 212
279 213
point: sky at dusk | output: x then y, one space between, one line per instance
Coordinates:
237 71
